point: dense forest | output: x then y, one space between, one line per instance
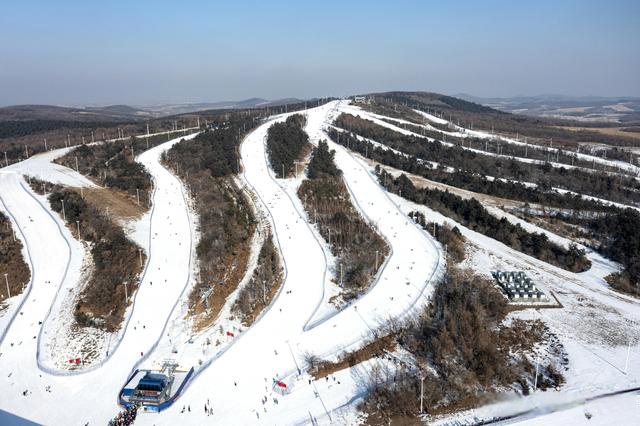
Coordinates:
619 237
469 353
547 153
12 262
285 144
599 184
470 181
356 246
473 215
19 128
116 259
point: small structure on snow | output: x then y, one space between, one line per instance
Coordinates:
154 390
518 287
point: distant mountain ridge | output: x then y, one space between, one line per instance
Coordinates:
582 108
126 113
92 114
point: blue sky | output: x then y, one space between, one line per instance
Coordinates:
78 52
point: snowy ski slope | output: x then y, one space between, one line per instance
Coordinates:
238 374
274 347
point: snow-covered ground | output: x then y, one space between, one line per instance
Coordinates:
94 392
596 324
275 346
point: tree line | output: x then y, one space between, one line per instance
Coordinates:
473 215
466 180
285 142
618 235
353 242
598 184
12 262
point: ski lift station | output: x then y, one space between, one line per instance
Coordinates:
518 287
154 390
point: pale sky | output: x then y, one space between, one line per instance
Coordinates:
148 52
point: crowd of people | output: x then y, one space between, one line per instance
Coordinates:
126 417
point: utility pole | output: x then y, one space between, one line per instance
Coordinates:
376 260
77 170
6 162
282 170
421 394
78 225
45 144
137 196
126 294
64 216
140 256
535 382
6 280
26 152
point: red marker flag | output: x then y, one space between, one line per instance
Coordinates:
230 334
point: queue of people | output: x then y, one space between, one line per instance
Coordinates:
126 417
